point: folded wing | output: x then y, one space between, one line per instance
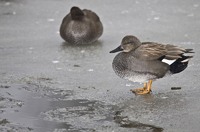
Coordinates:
156 51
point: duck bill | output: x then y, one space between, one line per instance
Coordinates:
116 50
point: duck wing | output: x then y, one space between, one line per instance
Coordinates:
156 51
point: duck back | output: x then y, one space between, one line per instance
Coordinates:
85 30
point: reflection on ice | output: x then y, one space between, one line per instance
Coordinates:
126 123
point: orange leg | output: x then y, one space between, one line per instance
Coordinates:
145 90
149 85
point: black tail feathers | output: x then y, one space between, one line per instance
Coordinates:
180 64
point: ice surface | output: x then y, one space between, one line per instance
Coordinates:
54 86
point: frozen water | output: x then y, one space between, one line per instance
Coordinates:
55 61
48 85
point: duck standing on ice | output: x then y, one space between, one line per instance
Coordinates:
143 61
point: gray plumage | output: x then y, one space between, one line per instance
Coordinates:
140 62
81 26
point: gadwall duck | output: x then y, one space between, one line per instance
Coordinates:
143 61
81 26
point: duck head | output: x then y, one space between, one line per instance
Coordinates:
76 13
128 44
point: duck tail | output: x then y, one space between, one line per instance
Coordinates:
180 64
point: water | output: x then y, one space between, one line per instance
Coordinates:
47 85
